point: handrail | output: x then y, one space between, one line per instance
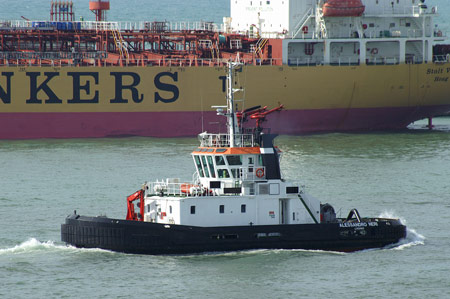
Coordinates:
223 140
120 25
104 59
302 22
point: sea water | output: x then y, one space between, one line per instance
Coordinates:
402 174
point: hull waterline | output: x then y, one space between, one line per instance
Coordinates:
185 124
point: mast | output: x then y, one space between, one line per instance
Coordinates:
231 113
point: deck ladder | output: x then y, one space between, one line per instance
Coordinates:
120 43
303 21
260 44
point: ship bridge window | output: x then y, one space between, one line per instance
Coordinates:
220 160
211 166
236 173
205 166
199 166
234 160
223 173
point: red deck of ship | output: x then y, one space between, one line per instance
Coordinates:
155 45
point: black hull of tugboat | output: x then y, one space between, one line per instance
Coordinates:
153 238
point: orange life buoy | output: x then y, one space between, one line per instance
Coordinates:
260 172
305 29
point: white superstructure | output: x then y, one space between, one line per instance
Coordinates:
387 32
237 181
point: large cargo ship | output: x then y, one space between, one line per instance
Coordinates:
336 65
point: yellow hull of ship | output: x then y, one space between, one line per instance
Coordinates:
198 88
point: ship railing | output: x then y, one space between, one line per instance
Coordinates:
303 21
345 60
252 173
441 58
103 59
411 33
223 140
305 61
398 10
53 55
173 187
122 25
382 61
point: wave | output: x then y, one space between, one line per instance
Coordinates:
413 238
34 245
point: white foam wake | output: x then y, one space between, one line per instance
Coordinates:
412 238
34 245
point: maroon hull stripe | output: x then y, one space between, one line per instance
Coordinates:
178 124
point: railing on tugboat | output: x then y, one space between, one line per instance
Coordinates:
242 182
173 187
223 140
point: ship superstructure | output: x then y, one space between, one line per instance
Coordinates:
362 65
237 173
311 32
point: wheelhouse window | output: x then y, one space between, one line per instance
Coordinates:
220 160
211 166
234 160
205 166
223 173
236 173
199 166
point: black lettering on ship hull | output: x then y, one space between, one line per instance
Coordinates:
5 96
166 87
35 89
135 96
77 87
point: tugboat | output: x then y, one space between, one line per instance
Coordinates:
238 200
